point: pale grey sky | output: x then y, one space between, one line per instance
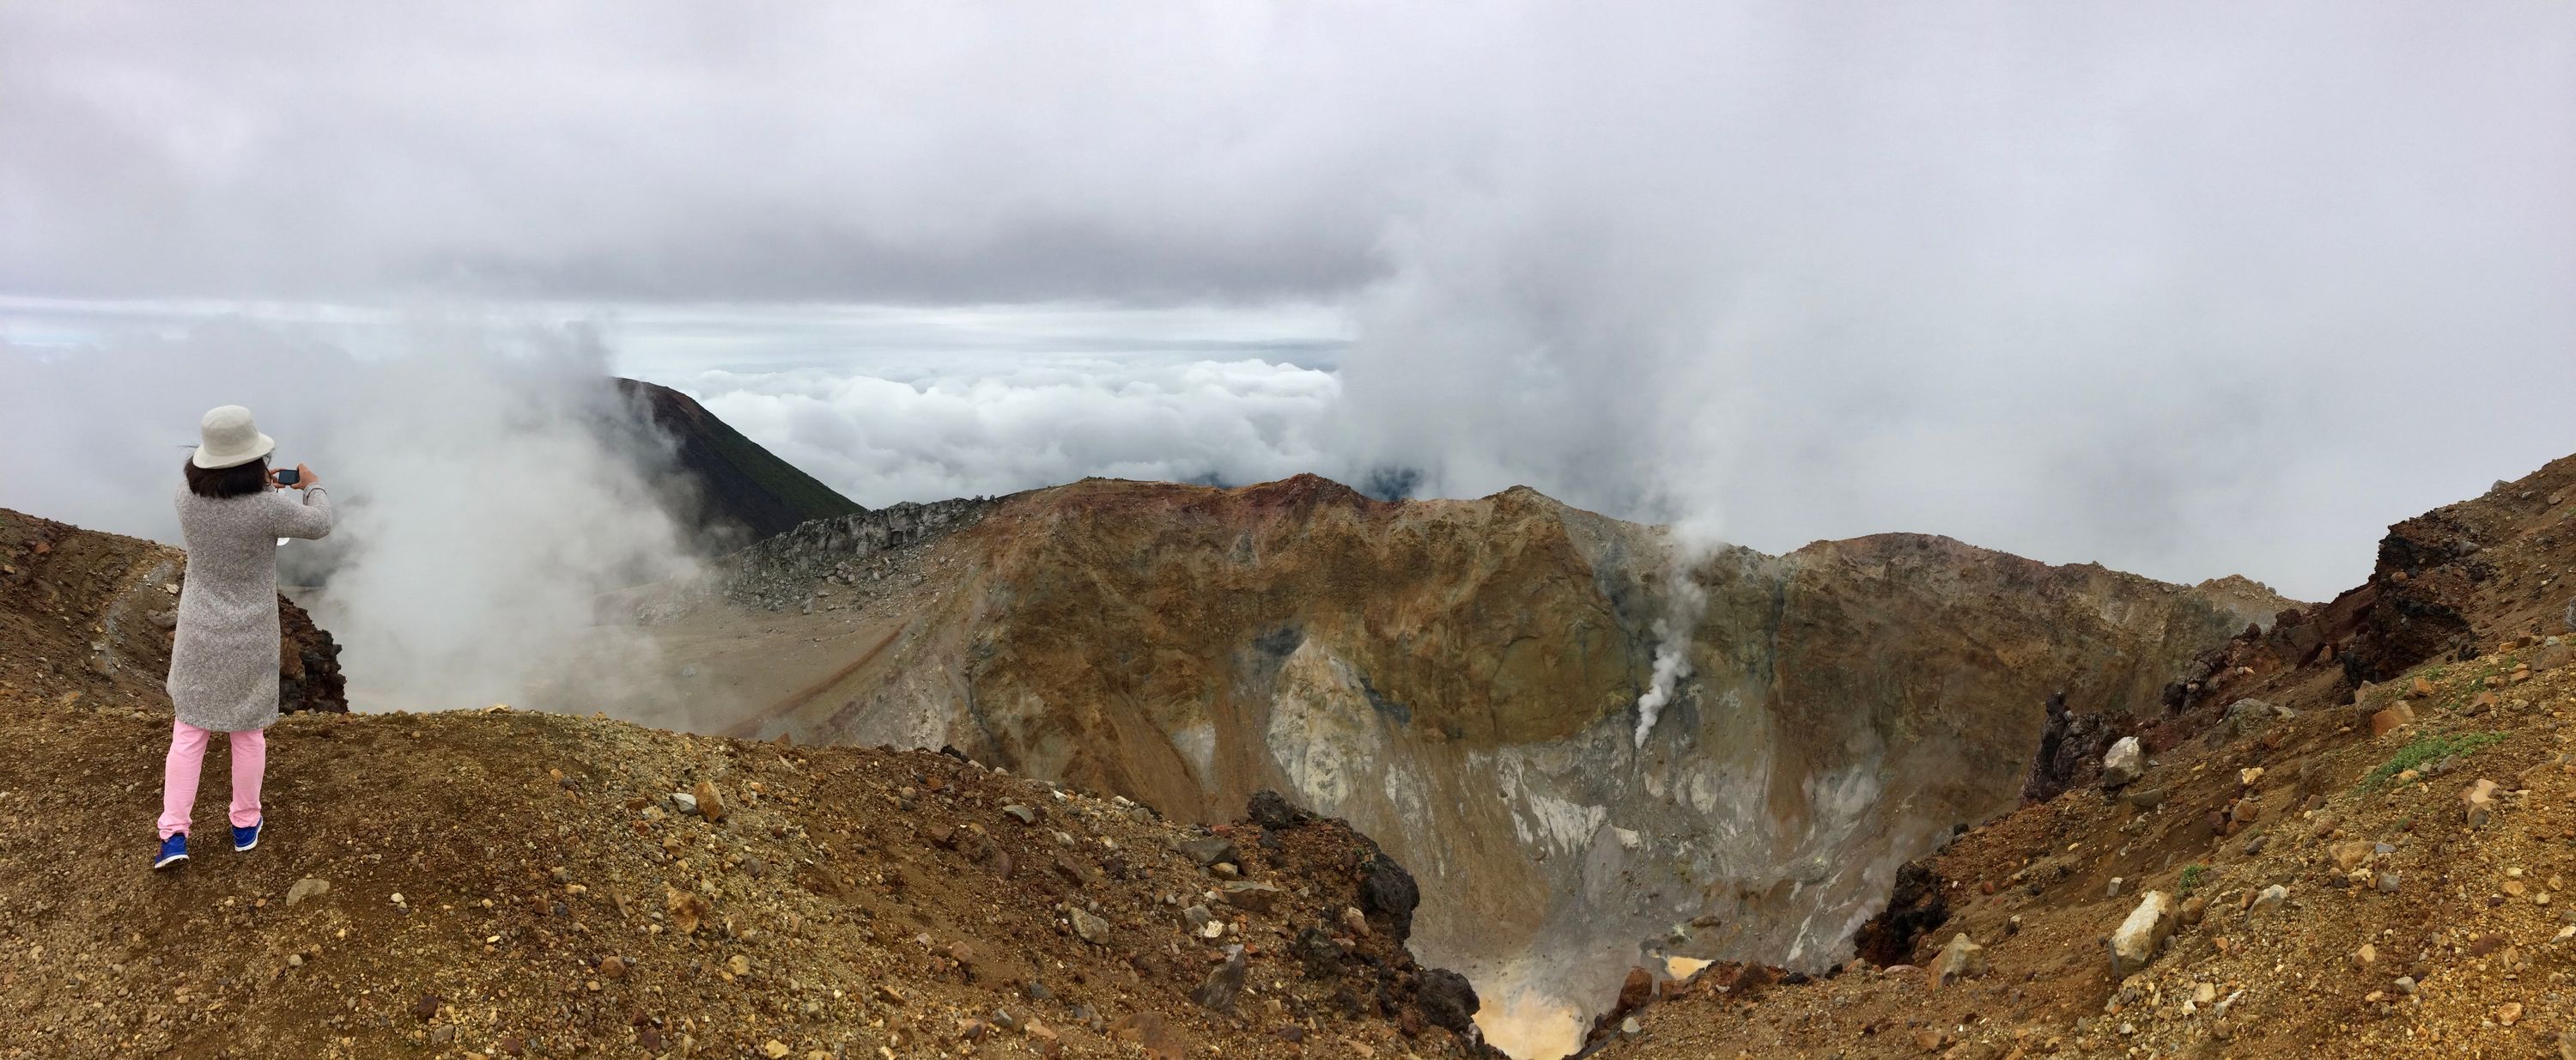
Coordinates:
2188 289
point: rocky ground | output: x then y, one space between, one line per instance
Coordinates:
502 883
2307 863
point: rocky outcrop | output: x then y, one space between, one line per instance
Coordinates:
2071 747
105 606
1914 909
2445 585
308 664
2289 872
785 570
1460 680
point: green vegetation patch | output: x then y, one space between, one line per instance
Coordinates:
2191 876
2429 749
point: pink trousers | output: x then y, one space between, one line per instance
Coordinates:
188 755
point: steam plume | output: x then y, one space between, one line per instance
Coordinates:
486 490
1672 652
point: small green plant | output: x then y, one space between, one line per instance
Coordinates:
2191 877
2429 749
2459 698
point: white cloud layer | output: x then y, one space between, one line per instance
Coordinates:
2184 288
886 440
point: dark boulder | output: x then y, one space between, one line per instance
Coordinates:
1317 951
1448 1000
308 664
2070 751
1272 810
1388 893
1916 907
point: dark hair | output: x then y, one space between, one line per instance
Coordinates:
233 481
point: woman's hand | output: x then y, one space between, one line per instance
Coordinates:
304 479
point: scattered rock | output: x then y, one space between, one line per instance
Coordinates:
1150 1031
1634 991
2250 715
612 967
308 887
684 802
2124 763
1249 894
2552 657
1354 921
2269 899
2478 801
1958 959
710 804
2136 941
2397 716
1022 813
1217 992
1207 850
1092 929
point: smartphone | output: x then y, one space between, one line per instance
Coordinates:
287 477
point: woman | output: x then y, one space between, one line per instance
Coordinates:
223 664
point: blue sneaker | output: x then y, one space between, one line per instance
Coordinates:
246 838
173 851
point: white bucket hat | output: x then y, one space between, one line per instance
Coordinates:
230 439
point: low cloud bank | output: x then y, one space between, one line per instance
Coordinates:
935 435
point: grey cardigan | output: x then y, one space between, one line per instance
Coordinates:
223 662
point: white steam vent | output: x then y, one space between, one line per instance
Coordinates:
1672 652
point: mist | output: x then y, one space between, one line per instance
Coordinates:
487 485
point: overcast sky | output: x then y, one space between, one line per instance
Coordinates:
2185 289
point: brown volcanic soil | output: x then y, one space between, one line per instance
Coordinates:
2479 919
526 849
879 903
